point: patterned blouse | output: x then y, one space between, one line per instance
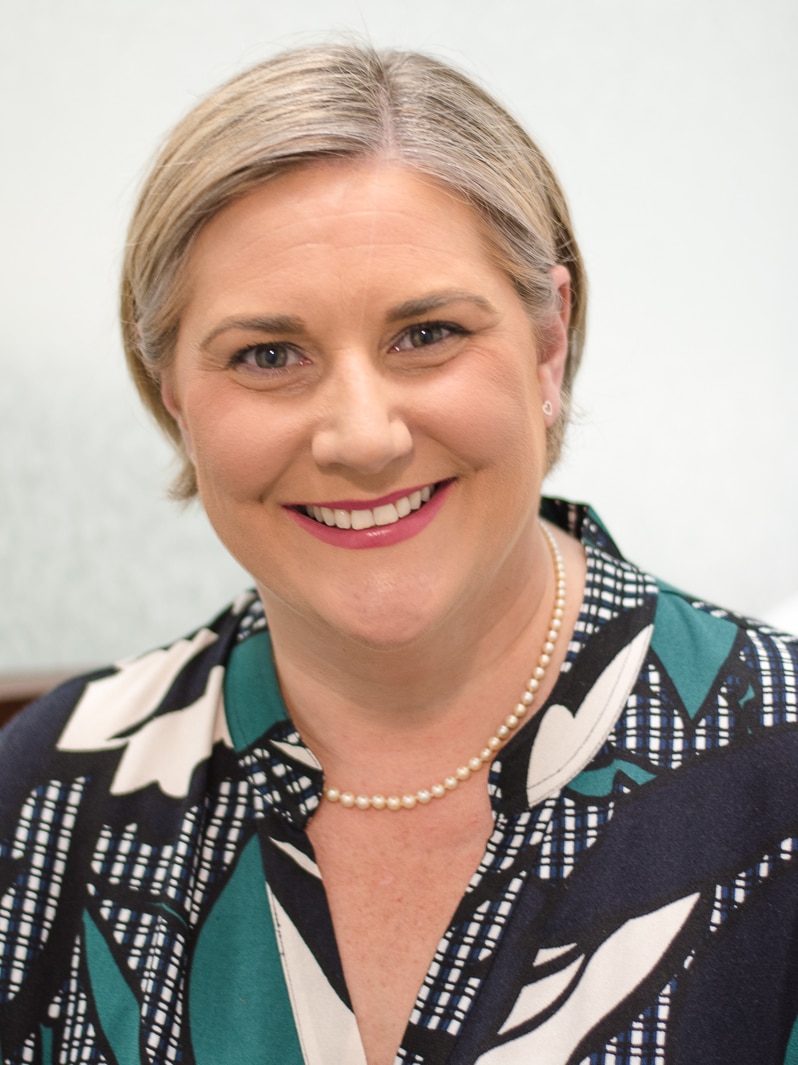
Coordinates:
637 902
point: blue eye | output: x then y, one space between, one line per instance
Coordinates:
425 334
421 335
268 356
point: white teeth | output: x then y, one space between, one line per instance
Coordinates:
362 519
387 514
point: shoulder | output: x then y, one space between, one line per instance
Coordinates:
703 647
135 744
86 725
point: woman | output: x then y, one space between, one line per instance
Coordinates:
456 784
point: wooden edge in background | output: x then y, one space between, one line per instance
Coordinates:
19 689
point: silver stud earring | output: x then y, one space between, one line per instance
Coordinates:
548 410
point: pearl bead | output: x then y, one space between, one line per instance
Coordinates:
473 765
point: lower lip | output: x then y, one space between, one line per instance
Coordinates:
377 535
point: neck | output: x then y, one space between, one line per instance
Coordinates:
371 715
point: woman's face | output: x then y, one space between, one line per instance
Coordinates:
359 388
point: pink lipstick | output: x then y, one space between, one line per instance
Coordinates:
388 520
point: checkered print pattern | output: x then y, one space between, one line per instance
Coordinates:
732 894
279 783
40 846
643 1041
152 943
614 586
252 620
78 1043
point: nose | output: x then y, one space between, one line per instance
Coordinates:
362 426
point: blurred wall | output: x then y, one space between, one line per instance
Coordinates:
673 127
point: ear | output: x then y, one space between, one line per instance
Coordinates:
169 400
553 352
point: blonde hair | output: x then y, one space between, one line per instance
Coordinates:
342 101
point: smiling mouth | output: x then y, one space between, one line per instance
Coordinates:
368 518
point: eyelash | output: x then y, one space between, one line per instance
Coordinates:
448 327
240 357
286 350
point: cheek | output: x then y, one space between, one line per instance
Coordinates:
238 449
496 418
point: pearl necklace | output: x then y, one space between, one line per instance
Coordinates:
438 791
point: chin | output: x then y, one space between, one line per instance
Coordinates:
389 629
374 622
388 642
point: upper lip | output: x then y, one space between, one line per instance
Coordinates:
367 504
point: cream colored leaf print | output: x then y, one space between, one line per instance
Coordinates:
613 971
566 741
115 712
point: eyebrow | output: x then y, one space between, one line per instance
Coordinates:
418 308
271 323
286 323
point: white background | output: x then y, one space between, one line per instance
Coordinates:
673 127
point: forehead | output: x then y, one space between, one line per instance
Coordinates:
344 209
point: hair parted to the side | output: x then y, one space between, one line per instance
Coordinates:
343 101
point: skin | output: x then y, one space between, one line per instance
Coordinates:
347 336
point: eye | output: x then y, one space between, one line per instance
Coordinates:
425 334
274 356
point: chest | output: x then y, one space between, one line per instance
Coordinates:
392 892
